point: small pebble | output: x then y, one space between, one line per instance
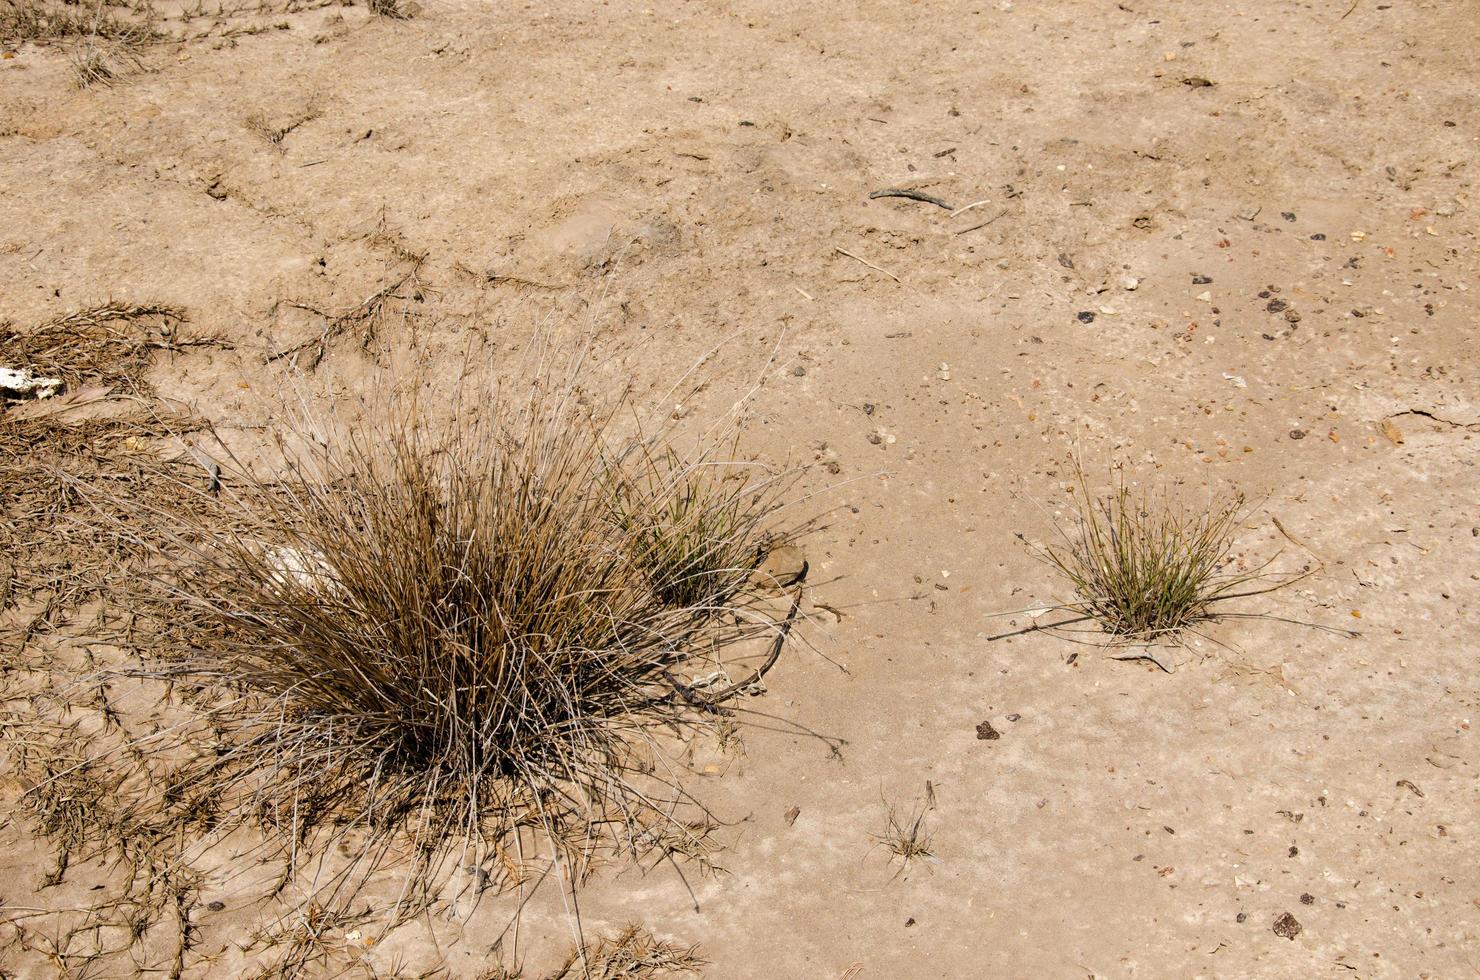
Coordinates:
216 906
1086 316
799 371
1297 433
1307 899
1014 716
1242 916
1201 280
1286 926
1318 237
1276 305
1205 296
1293 316
986 733
1288 215
1129 283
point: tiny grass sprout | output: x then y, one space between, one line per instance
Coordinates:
907 839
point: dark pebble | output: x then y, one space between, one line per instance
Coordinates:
1267 336
875 438
986 733
1264 294
1307 899
1294 851
1318 237
1242 916
746 122
1292 315
1297 433
799 371
1288 215
1201 280
1286 926
1086 316
216 906
909 922
1276 305
1014 716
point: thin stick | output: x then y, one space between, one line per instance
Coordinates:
984 223
844 251
967 207
909 195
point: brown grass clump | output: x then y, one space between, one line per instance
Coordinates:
57 20
393 9
633 953
444 632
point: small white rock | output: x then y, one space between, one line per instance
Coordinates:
1205 296
1129 283
21 383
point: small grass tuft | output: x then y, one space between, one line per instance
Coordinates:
692 527
1145 568
907 839
90 67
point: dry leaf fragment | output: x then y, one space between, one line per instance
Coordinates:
1393 433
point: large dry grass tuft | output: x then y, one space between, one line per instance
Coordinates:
450 631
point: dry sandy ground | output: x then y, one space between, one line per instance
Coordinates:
1301 238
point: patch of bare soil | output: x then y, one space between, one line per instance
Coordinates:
1230 250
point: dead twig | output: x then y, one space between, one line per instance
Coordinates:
336 325
993 218
911 196
713 700
857 258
